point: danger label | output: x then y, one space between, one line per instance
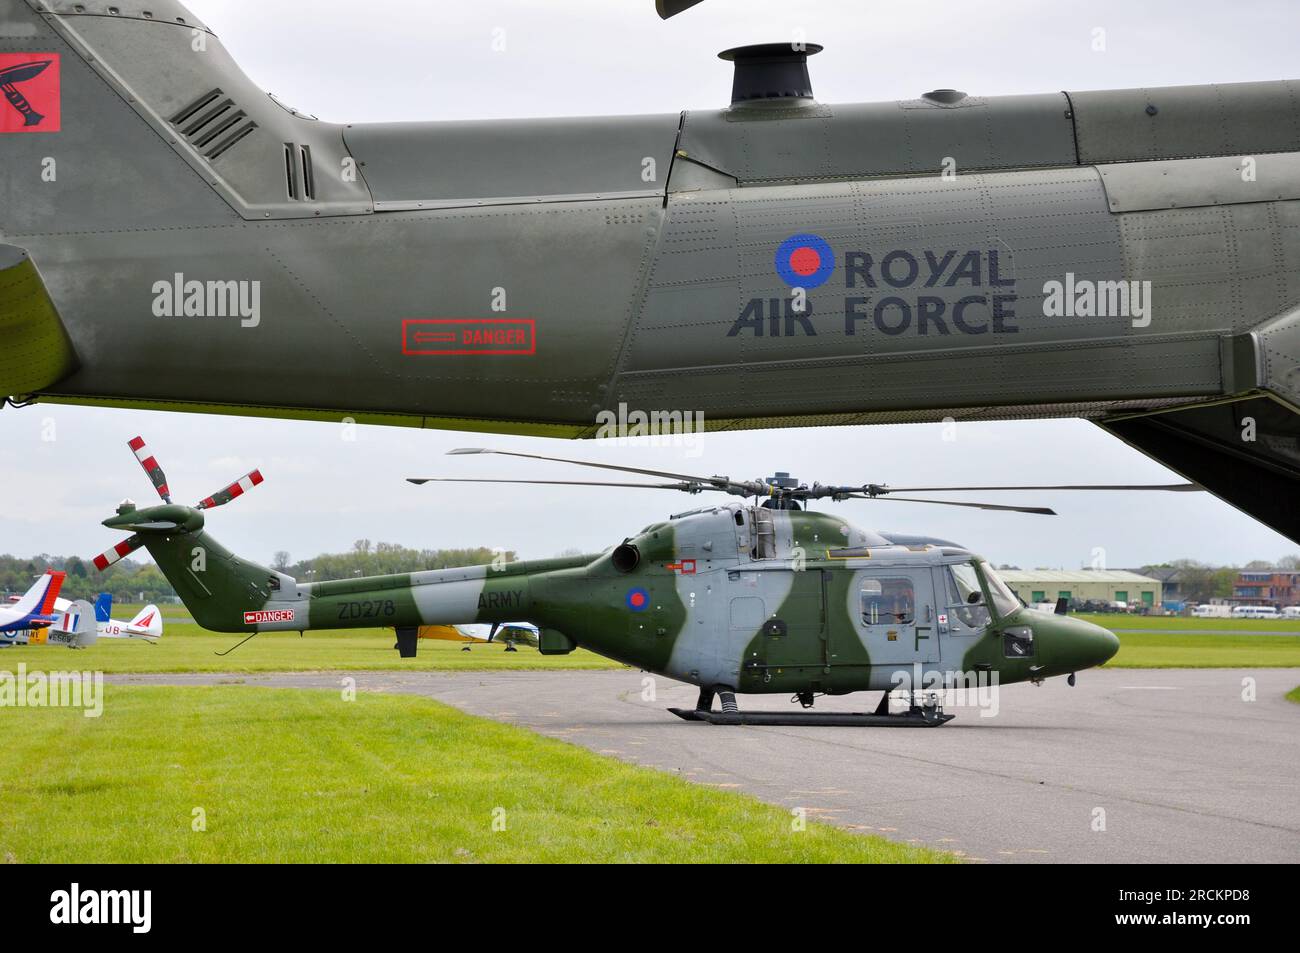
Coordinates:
466 336
268 615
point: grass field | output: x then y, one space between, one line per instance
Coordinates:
187 648
1294 695
1163 650
302 776
1159 623
1159 647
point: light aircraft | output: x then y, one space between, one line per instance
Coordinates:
1130 256
146 625
34 607
509 634
74 627
755 595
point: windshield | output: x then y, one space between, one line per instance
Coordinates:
966 597
1004 600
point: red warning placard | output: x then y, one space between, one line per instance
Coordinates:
444 336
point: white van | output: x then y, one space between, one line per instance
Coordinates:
1291 612
1212 611
1254 612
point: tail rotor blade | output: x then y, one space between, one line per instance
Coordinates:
151 467
236 489
125 548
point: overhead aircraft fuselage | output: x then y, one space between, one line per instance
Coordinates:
170 236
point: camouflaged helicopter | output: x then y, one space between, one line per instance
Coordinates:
748 596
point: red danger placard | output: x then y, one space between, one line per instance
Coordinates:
29 92
268 615
456 336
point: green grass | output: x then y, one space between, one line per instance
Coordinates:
1159 647
1156 650
1294 695
1158 623
289 776
185 647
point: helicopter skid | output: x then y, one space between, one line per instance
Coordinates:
915 718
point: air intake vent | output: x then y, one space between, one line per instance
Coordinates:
212 124
299 174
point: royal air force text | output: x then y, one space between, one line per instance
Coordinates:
898 303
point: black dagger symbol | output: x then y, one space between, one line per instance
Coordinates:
9 80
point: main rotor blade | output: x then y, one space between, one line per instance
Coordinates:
125 548
1167 487
1035 510
670 8
685 487
717 482
151 468
236 489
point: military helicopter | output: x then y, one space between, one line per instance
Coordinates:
1124 256
755 595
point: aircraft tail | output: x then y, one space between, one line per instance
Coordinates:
146 625
39 599
75 628
218 588
104 607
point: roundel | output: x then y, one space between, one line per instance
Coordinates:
805 261
638 600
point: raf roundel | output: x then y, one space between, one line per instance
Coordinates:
638 600
805 261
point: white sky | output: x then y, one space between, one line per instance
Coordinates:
351 62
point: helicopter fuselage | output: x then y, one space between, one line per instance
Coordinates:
732 597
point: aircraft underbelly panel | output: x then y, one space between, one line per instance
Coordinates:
517 313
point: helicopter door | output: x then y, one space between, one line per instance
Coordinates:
895 616
794 635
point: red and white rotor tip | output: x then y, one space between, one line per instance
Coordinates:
236 489
151 467
125 548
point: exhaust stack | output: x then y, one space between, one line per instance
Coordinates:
771 72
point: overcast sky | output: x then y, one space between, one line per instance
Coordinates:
573 57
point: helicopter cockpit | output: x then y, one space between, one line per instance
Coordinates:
965 595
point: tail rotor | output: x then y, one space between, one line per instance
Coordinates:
169 516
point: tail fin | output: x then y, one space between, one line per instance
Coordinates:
39 599
147 624
104 607
76 627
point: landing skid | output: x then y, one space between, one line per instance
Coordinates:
915 717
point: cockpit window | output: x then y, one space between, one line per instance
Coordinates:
888 601
1004 600
966 596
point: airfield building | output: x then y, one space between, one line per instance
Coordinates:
1084 585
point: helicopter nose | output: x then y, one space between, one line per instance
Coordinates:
1083 645
1102 644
